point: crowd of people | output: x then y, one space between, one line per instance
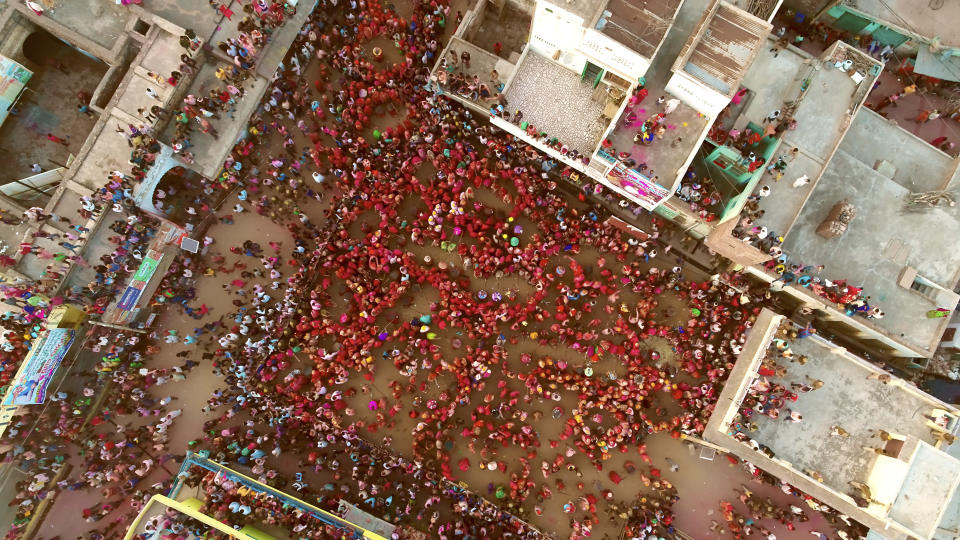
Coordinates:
443 248
774 396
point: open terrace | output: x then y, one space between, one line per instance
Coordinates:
841 429
822 101
878 244
557 102
851 398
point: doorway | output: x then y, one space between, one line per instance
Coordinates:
592 73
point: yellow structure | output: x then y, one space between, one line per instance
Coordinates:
190 506
65 316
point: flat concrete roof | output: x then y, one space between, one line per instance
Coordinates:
163 54
99 21
848 399
684 125
663 157
554 100
772 80
785 201
199 16
103 22
919 166
822 120
927 19
209 152
482 62
926 490
878 244
823 114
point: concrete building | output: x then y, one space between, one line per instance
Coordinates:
588 57
904 258
708 71
585 57
901 256
844 152
820 97
119 55
863 433
698 71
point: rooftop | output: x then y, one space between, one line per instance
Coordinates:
927 488
909 477
103 23
822 121
639 24
848 399
881 240
577 120
926 19
918 166
663 157
724 48
684 126
98 21
209 151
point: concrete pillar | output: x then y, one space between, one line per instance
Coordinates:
12 37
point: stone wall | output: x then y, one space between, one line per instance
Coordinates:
526 6
13 33
808 7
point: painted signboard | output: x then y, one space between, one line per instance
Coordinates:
13 77
641 189
39 367
139 282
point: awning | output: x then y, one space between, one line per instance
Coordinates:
29 386
13 78
935 65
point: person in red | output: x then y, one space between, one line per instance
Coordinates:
640 95
53 138
224 10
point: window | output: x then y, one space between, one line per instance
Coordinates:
920 285
141 27
949 334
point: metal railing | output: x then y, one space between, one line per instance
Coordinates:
195 460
